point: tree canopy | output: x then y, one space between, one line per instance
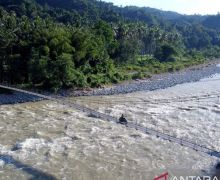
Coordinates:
56 44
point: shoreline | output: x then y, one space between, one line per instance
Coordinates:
157 81
161 81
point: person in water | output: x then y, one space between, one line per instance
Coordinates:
122 120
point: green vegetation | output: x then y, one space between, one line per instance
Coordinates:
87 43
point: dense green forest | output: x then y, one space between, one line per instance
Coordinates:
55 44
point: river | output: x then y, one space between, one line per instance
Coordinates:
46 140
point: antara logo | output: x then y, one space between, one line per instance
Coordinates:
162 177
165 177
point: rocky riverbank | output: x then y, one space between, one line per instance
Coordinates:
160 81
17 97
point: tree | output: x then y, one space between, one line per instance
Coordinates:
166 52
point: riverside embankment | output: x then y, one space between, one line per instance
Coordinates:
159 81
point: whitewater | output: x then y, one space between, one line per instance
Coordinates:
47 140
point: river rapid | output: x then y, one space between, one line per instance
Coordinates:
46 140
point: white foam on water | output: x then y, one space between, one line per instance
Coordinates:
212 78
2 163
69 144
195 120
32 144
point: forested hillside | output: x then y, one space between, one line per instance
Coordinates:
57 44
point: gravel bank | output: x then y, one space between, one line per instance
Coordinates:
17 97
160 81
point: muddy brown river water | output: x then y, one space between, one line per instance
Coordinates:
46 140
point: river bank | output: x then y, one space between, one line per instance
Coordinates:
158 81
45 133
67 144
